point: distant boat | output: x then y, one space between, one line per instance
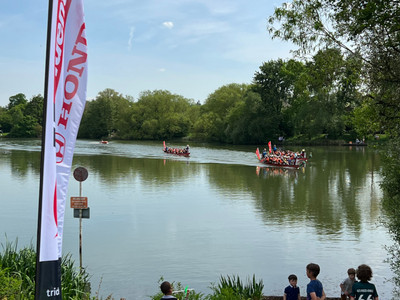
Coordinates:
103 142
176 151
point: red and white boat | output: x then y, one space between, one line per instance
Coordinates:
281 161
176 151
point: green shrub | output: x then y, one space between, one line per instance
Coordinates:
233 287
21 265
193 295
229 288
10 287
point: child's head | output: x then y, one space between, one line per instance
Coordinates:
364 273
352 273
166 288
292 279
312 270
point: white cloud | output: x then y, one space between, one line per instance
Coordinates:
168 24
161 70
132 30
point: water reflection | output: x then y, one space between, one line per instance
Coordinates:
21 162
215 212
270 171
336 190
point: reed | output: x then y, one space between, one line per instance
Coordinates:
177 286
228 288
232 287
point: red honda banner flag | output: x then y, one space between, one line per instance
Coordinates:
65 97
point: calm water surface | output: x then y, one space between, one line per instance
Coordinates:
216 213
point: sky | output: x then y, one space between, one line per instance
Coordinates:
188 47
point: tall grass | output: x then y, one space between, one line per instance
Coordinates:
20 265
228 288
232 287
18 268
177 286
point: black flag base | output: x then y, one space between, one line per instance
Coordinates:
48 280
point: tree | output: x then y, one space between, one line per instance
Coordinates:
34 108
364 119
212 124
22 118
27 127
105 116
17 100
367 28
277 84
5 120
370 28
160 114
245 124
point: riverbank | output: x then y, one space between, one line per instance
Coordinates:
302 298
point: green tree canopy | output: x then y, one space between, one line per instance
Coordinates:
212 123
105 116
17 99
370 28
160 114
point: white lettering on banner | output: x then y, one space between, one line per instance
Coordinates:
53 292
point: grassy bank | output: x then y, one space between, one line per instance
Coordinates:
17 274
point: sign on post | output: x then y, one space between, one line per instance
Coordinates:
82 213
80 174
79 202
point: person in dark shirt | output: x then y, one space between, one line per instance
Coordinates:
166 289
315 290
292 291
364 289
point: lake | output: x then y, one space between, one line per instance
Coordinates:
218 212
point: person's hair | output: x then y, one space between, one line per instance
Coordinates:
314 269
364 273
292 277
351 271
165 287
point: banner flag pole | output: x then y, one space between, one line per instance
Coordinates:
64 102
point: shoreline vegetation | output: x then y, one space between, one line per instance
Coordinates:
17 280
302 298
320 140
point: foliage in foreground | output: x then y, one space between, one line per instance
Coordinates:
369 30
390 204
17 280
234 286
17 274
228 288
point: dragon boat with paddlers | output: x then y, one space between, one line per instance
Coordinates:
177 151
280 161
